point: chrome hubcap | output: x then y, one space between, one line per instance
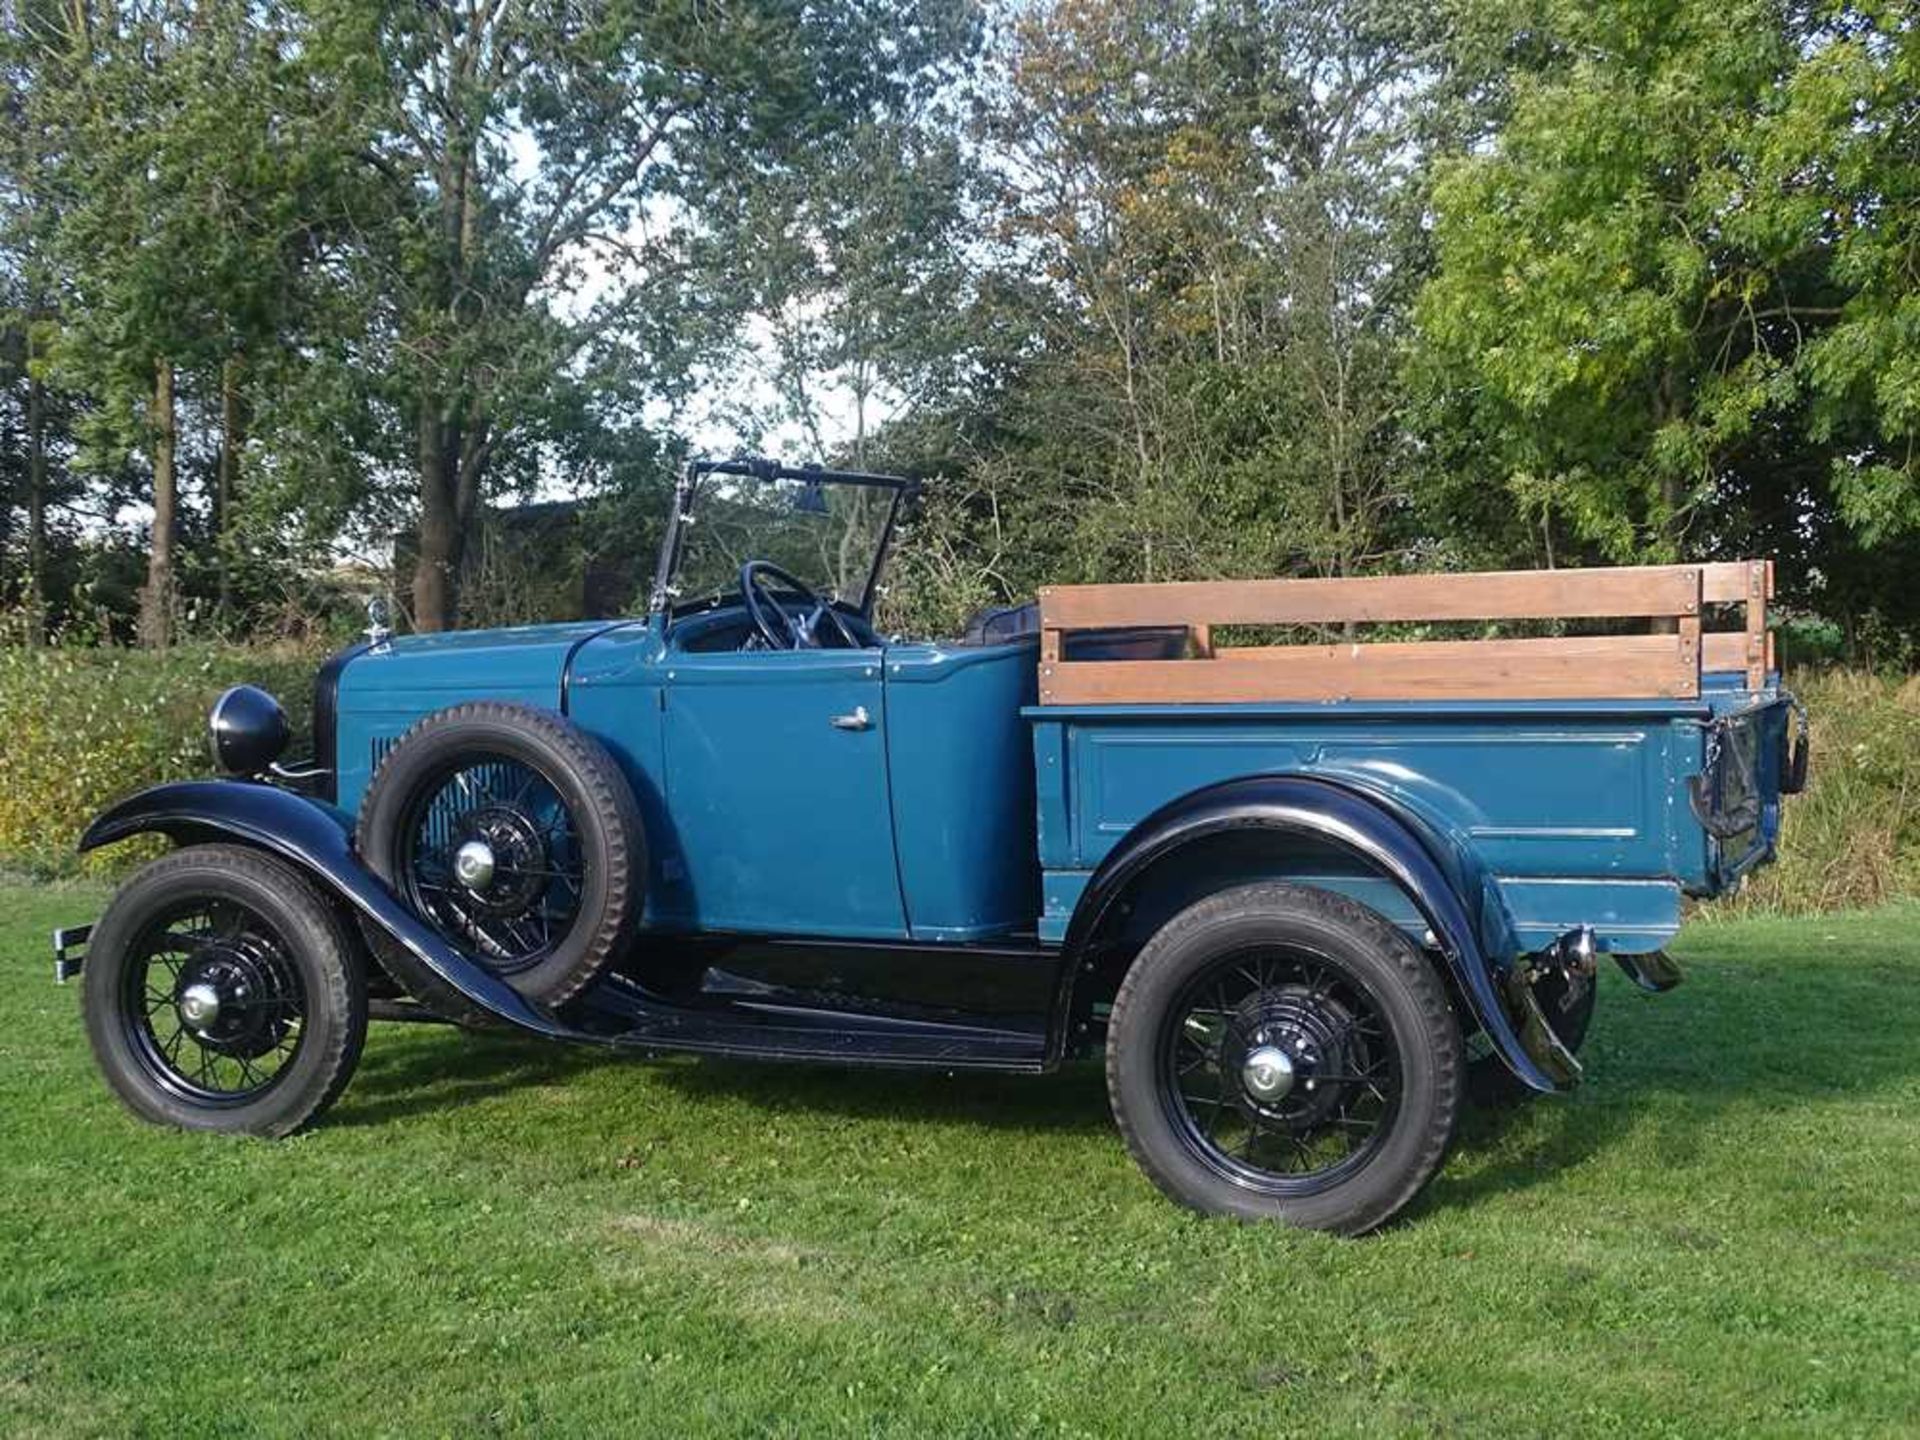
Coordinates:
1267 1073
200 1006
473 864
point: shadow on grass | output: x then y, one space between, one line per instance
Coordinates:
1779 1027
440 1068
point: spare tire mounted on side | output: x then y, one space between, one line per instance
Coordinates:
514 833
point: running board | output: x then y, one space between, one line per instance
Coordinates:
617 1012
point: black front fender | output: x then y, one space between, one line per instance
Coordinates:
1355 820
317 839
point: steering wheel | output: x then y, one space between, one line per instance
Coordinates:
776 626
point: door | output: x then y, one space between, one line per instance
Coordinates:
777 788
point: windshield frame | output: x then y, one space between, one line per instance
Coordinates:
662 600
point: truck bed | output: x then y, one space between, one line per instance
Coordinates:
1579 805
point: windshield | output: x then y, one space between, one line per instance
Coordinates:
826 531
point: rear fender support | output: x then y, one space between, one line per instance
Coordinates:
1370 827
316 838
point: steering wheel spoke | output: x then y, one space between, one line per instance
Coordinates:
776 625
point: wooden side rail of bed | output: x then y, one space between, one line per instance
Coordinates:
1666 600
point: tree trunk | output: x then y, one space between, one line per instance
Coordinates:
436 568
225 480
156 602
36 597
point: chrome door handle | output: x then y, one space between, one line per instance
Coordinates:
858 720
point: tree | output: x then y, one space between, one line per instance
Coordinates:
1189 324
184 162
537 176
1674 306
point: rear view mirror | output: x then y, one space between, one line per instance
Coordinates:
812 499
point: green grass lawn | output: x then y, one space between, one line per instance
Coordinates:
1718 1234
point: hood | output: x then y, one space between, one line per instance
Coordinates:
525 662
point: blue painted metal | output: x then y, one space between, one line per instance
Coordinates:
615 689
962 785
1558 801
763 818
382 691
782 819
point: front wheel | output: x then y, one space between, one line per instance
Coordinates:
1281 1053
222 993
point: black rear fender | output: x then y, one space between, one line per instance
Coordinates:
1243 829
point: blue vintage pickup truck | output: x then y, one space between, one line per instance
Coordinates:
1306 891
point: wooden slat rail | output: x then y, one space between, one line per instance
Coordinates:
1666 665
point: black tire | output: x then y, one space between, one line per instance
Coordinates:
1337 986
1490 1084
304 1017
602 827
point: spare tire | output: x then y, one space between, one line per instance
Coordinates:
514 834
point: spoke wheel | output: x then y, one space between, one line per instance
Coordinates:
514 834
491 854
1277 1052
213 1005
224 993
1277 1070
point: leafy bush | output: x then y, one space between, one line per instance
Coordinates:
80 727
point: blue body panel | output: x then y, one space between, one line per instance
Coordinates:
781 822
385 690
761 816
962 778
1577 810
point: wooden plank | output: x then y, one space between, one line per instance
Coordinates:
1759 587
1595 667
1723 650
1729 582
1736 650
1627 591
1724 582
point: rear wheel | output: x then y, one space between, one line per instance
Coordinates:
514 834
1281 1053
223 993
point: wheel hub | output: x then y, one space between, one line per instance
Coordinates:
473 864
200 1006
232 1000
1267 1073
1286 1039
502 860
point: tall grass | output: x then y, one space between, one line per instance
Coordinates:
1853 838
82 726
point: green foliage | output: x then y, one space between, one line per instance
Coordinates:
1675 309
81 727
1183 342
